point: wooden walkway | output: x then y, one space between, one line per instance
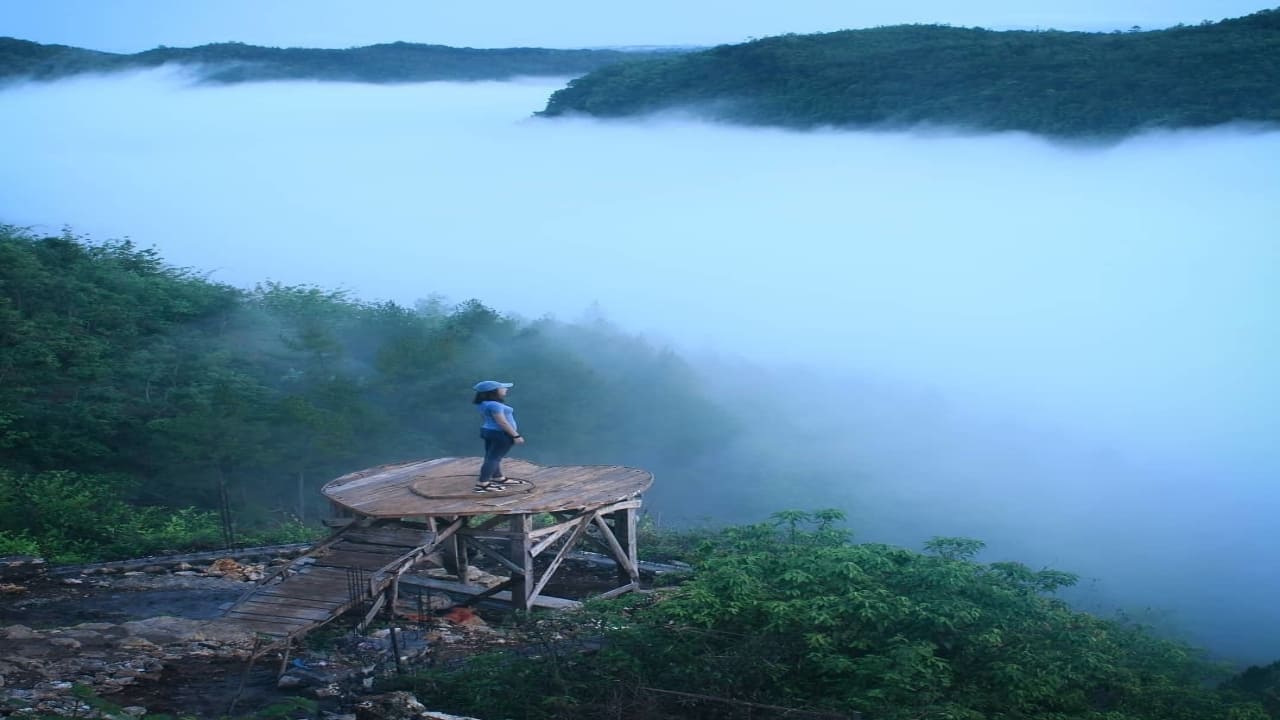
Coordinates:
353 567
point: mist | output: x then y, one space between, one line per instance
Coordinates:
1066 350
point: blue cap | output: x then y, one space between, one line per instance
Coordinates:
488 385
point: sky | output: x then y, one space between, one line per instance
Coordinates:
134 25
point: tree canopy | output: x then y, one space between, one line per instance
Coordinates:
119 371
1065 84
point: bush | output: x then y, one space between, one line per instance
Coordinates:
791 614
72 518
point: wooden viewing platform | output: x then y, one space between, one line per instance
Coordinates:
391 517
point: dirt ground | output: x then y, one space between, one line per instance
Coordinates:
59 602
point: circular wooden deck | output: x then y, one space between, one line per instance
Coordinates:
442 486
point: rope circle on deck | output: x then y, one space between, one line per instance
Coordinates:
454 487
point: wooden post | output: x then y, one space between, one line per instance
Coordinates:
520 552
624 528
454 555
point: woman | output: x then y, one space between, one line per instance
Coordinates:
499 434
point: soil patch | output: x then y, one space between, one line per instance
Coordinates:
57 603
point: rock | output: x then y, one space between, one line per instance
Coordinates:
12 589
72 581
289 682
399 706
134 711
184 566
392 706
132 573
138 644
21 567
155 569
186 573
65 642
19 632
327 691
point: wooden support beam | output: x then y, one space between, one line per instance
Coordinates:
490 592
556 529
471 590
620 590
454 553
583 523
551 540
493 554
521 551
626 526
626 566
373 612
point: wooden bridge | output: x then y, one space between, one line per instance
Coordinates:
393 516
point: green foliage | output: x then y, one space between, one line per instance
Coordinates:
293 707
1261 684
129 388
1067 84
17 543
68 517
790 614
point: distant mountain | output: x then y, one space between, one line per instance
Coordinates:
388 63
1055 83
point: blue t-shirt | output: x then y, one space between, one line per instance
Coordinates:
490 408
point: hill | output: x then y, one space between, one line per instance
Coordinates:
386 63
1054 83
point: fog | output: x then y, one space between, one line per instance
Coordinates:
1067 350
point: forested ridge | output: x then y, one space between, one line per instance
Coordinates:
237 62
146 408
1066 84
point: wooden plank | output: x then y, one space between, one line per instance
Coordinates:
390 535
285 611
314 581
387 550
264 627
620 590
313 600
281 620
362 561
308 589
299 601
458 588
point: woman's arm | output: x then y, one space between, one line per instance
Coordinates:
501 419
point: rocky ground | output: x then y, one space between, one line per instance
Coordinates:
149 641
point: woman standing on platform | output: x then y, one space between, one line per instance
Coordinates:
499 434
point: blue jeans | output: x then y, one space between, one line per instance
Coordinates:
497 444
